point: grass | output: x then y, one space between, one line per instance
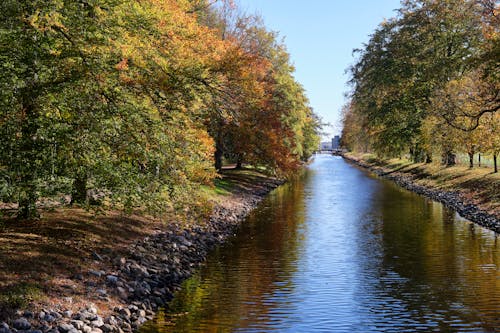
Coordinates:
478 185
19 296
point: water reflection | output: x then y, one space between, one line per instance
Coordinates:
339 251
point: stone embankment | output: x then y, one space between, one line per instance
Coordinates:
451 199
144 280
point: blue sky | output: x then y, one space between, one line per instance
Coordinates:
320 36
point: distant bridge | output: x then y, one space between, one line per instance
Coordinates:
330 151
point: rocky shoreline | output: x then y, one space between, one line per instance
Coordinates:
144 280
453 200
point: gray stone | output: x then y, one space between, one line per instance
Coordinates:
28 314
95 273
64 328
96 330
49 318
86 329
107 328
34 331
112 279
96 256
92 309
21 324
97 323
101 292
4 328
67 313
78 324
126 312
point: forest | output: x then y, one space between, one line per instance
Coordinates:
137 104
427 84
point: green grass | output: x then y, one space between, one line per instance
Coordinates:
20 295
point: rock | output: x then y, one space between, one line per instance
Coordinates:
67 313
78 277
96 330
95 273
78 324
49 318
101 292
34 331
107 328
4 328
111 279
28 314
65 328
97 322
141 313
21 324
86 329
92 309
125 312
96 256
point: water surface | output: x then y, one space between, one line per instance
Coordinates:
338 250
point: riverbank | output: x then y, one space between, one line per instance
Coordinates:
74 272
473 193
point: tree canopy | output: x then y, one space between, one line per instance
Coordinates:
138 103
425 79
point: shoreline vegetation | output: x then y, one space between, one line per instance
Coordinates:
473 193
73 271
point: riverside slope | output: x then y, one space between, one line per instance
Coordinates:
145 278
455 200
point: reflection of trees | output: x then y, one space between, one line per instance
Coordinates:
437 269
241 281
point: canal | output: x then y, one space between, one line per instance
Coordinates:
338 250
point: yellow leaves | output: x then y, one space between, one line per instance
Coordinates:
47 21
122 65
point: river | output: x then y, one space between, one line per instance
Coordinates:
339 250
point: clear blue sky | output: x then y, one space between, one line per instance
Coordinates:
320 36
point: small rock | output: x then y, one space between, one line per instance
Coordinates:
107 328
141 313
21 324
86 329
78 324
96 330
67 313
112 279
49 318
101 292
96 273
64 328
4 328
125 312
97 323
92 309
34 331
28 314
96 256
78 277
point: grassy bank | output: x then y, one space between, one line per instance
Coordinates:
478 186
45 263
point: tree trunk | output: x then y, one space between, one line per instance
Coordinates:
239 162
495 166
79 190
479 160
27 202
471 159
218 154
28 170
428 158
449 158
